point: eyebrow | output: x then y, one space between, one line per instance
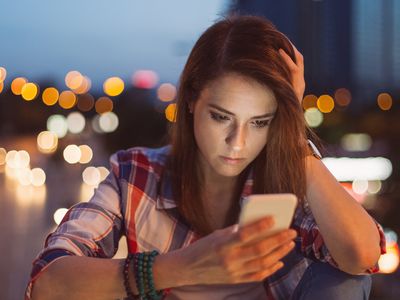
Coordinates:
232 114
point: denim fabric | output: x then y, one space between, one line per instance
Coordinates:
322 281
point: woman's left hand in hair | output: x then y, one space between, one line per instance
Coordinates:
297 70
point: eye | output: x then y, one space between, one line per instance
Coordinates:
219 118
261 123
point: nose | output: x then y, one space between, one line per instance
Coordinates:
236 138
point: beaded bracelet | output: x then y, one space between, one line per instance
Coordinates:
128 290
144 276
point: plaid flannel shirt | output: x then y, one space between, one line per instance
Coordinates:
128 202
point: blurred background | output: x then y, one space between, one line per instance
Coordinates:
82 79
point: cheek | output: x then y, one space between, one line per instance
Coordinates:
258 141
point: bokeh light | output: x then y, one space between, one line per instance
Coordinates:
10 158
342 97
47 142
85 102
356 142
96 124
91 176
1 86
113 86
17 159
72 154
384 101
145 79
67 99
374 186
17 84
309 101
38 177
58 125
3 74
166 92
50 96
84 87
108 122
170 112
29 91
3 154
73 80
103 172
76 122
86 154
24 176
325 103
360 186
103 105
313 117
59 215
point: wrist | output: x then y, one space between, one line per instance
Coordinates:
169 270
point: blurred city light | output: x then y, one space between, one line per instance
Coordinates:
67 99
91 176
108 122
85 102
37 177
58 125
360 186
26 196
76 122
1 86
384 101
96 124
342 97
3 74
356 142
29 91
309 101
85 86
50 96
313 117
17 84
3 154
170 112
166 92
144 79
374 186
103 105
73 80
59 215
389 262
18 159
325 103
103 172
113 86
24 176
72 154
350 169
86 192
86 154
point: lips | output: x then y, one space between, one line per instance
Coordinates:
232 160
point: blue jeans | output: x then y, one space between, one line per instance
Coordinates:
322 281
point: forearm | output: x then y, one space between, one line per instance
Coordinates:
348 231
77 277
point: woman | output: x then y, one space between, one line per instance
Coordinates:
239 130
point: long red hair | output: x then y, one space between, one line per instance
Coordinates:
246 45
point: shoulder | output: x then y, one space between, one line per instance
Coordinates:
151 160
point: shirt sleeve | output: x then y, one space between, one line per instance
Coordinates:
90 229
312 244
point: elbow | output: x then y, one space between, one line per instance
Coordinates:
361 261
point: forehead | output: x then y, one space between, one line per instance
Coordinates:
239 94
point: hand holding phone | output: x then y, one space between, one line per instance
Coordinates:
280 206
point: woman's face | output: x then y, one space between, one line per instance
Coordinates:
231 121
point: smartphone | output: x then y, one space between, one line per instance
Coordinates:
279 206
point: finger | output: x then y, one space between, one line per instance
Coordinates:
288 60
249 232
298 55
259 276
261 248
267 261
